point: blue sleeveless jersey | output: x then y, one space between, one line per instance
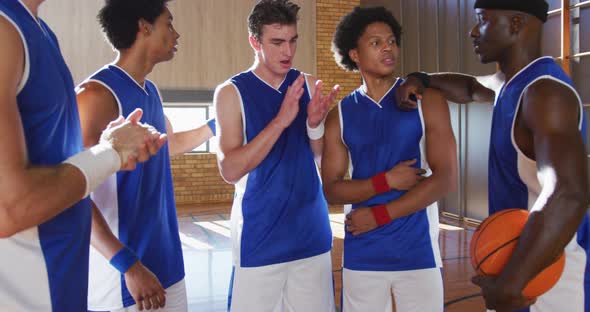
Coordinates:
512 181
279 212
143 216
378 136
45 268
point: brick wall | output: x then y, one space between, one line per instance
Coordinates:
196 177
197 181
329 13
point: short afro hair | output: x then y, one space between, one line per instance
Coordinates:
119 19
352 27
268 12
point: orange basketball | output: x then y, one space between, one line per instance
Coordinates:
494 241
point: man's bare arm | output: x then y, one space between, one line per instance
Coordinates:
185 141
30 195
441 154
551 112
236 159
337 189
458 88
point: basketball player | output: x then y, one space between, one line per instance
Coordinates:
280 227
136 261
537 155
44 220
391 243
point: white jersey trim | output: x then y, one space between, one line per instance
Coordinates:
580 105
110 90
26 71
127 74
24 269
525 68
237 216
363 91
35 18
268 84
527 168
347 207
307 85
104 281
432 209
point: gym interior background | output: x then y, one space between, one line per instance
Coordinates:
213 46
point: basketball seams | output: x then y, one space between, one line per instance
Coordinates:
483 226
478 268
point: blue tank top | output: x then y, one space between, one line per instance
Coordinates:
506 188
147 221
49 116
512 181
378 136
280 202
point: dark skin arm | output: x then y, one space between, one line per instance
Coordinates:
441 154
458 88
339 190
547 131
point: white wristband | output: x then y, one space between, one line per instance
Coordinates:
96 163
315 133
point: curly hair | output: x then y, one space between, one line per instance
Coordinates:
268 12
352 27
119 19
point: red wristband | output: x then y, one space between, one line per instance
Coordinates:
381 215
380 183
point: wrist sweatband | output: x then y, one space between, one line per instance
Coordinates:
211 124
317 132
96 164
424 78
381 215
380 184
124 259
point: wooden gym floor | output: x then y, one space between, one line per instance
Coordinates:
205 237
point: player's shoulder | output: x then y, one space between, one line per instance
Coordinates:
92 89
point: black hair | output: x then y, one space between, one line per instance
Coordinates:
352 27
119 19
268 12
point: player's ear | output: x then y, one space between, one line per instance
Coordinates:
144 27
354 55
254 43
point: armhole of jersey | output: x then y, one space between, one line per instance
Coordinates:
242 111
421 114
341 120
26 71
112 92
423 159
580 106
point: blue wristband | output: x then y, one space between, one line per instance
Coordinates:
211 124
124 259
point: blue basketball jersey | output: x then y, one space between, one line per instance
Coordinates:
378 136
279 212
513 181
139 205
45 268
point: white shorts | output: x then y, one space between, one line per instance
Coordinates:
414 291
176 300
296 286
